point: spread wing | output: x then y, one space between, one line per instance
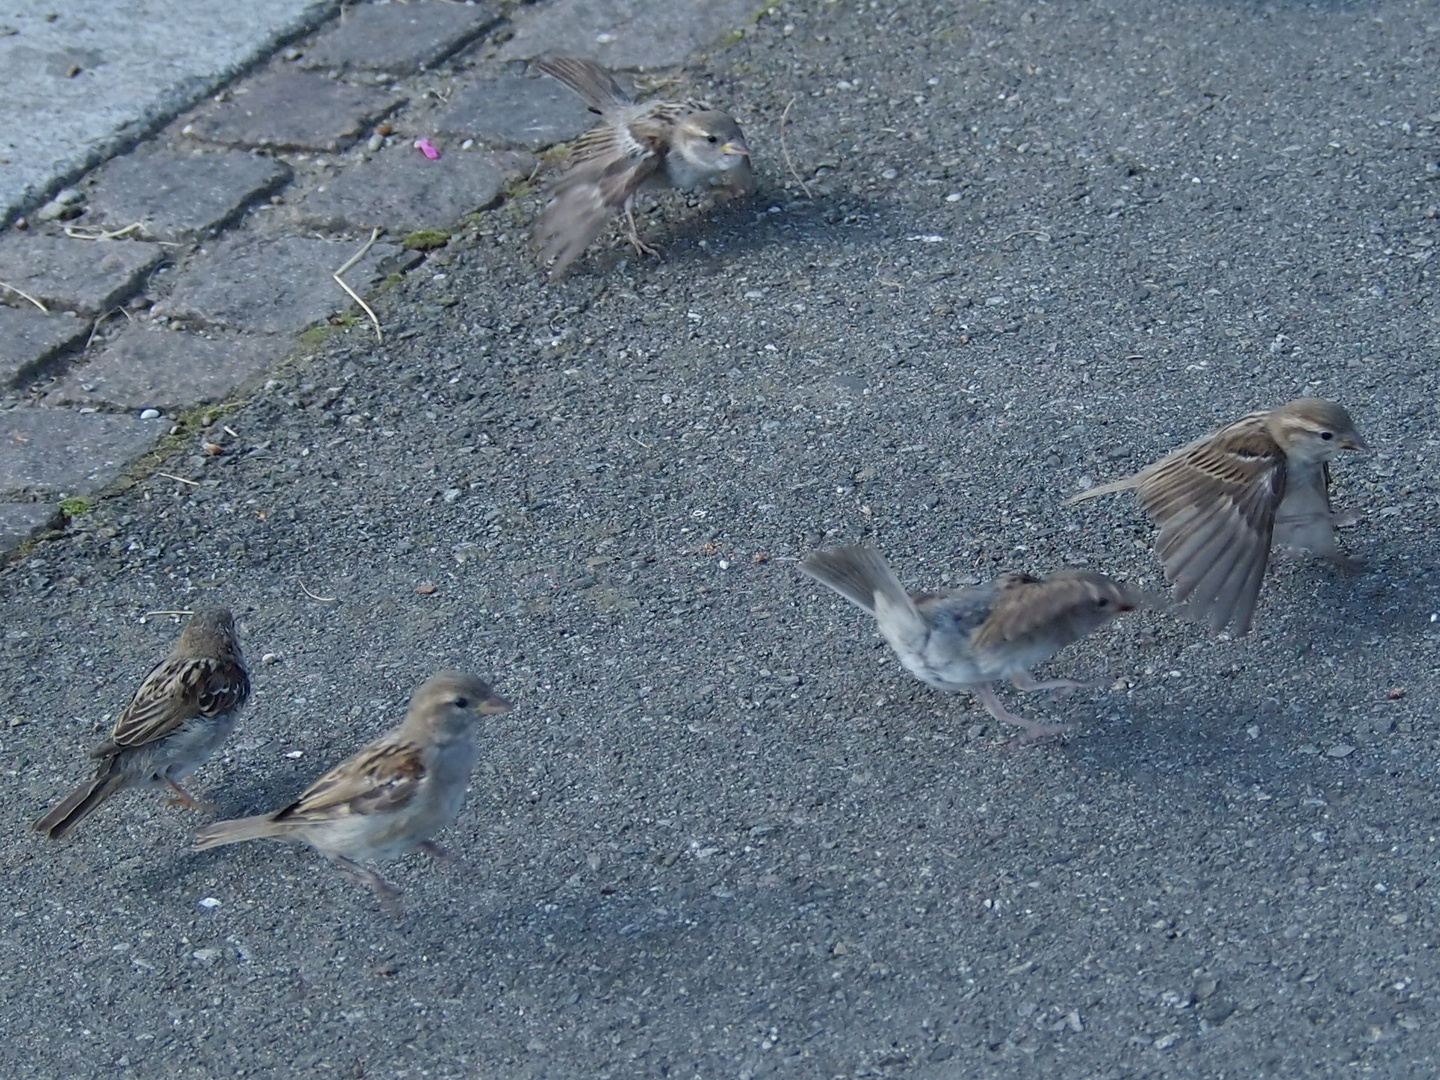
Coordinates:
1215 503
178 689
1024 605
586 197
590 80
380 777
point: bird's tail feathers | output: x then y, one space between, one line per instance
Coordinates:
588 79
259 827
78 805
860 574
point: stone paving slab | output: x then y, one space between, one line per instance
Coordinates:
29 339
624 33
169 370
61 453
399 38
181 196
275 285
515 111
86 276
20 521
402 190
138 65
294 110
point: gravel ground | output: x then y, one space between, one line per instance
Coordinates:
723 834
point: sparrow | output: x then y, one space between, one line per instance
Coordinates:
181 714
969 638
1223 501
651 144
392 795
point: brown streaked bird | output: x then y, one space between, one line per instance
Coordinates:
1223 501
181 714
652 144
393 794
969 638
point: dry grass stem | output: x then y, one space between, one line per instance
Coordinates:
374 235
785 151
317 596
25 296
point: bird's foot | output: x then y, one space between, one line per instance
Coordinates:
1060 687
388 895
1037 732
185 799
1032 731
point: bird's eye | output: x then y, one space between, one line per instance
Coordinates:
1327 435
711 139
462 702
1104 601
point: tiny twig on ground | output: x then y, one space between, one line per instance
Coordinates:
178 479
785 151
374 235
76 232
316 596
25 296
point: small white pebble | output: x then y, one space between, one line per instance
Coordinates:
954 196
295 755
604 39
467 144
1253 731
724 564
206 956
269 658
210 903
149 414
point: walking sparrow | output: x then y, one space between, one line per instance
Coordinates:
967 639
653 144
1224 500
181 714
393 794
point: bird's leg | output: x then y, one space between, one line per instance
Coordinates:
185 799
388 894
435 851
1023 680
633 234
1034 731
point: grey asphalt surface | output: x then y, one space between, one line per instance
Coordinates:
723 834
86 78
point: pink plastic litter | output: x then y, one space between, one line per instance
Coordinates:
424 146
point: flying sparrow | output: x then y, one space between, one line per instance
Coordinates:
967 639
181 714
1224 500
653 144
393 794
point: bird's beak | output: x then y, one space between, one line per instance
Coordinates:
494 704
736 147
1355 442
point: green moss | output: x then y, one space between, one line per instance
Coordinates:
74 507
316 336
426 240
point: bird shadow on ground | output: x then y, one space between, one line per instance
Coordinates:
1350 603
746 226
